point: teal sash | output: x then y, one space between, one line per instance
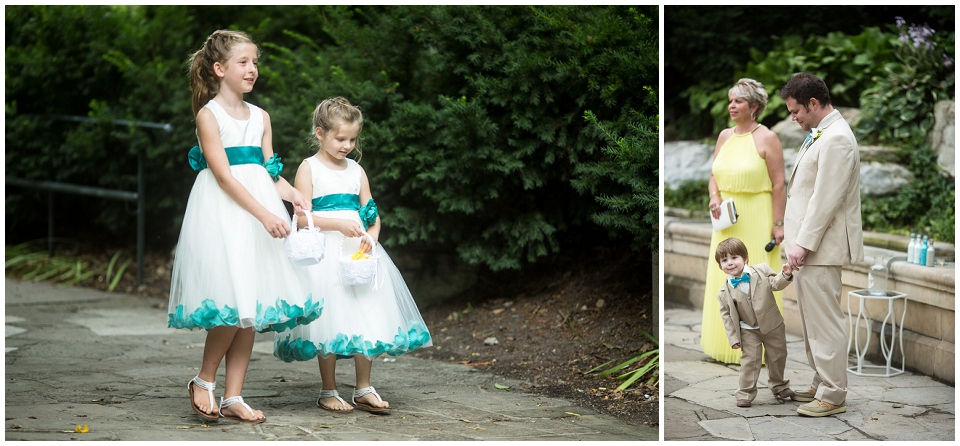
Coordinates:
337 202
236 156
348 202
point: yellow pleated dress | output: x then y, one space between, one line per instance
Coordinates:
741 174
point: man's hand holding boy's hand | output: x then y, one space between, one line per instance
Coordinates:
787 270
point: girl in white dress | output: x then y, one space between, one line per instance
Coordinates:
362 321
231 275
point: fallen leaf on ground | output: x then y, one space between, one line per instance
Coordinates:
501 386
571 413
82 429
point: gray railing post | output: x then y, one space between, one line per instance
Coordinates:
141 214
139 196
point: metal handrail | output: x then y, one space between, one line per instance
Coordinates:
138 196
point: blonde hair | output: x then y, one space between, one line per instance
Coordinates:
204 82
731 246
331 114
753 92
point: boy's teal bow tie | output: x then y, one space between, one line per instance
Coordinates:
737 280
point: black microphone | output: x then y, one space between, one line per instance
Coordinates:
769 247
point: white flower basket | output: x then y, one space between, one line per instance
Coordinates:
362 271
305 246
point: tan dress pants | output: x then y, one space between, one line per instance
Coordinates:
819 291
773 347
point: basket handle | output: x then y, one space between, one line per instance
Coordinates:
373 244
293 222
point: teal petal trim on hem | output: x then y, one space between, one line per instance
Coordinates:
369 213
299 349
278 317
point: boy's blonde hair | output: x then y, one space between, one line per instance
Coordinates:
731 246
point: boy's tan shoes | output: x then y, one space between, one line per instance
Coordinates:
819 408
805 395
743 403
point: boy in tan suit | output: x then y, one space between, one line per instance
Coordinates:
753 320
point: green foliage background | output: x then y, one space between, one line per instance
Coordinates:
501 133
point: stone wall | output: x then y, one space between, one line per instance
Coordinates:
691 160
929 325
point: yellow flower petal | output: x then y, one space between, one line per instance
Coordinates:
359 255
82 429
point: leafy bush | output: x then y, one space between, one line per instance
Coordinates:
690 195
900 103
899 110
846 63
633 204
925 205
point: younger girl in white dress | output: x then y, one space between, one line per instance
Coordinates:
363 321
231 275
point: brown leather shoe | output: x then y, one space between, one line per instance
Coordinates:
786 394
743 403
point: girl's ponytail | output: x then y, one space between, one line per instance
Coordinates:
204 82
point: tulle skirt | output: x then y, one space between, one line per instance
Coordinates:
228 271
368 320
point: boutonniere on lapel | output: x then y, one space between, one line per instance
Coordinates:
812 137
815 133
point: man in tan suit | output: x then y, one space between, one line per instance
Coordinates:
752 319
822 232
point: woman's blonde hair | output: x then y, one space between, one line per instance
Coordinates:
753 92
331 114
204 82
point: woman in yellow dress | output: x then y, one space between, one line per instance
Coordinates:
748 167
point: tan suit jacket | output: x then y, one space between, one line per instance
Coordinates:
823 198
757 308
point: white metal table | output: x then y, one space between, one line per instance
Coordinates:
886 348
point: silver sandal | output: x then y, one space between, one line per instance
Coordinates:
209 387
357 393
334 394
238 400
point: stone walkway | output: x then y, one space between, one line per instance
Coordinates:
698 400
108 361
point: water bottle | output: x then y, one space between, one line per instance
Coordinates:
916 251
922 257
877 278
930 253
912 248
